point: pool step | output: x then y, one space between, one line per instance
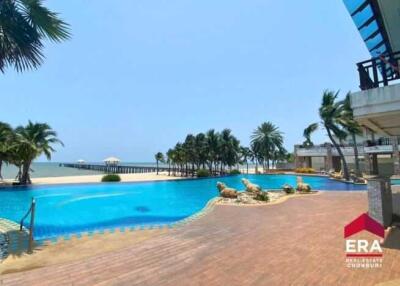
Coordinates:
12 241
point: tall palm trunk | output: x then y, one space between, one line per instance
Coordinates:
169 168
25 178
247 166
1 165
357 163
345 167
157 166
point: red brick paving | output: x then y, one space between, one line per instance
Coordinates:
298 242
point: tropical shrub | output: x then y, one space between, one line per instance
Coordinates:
234 172
111 178
305 170
202 173
288 189
262 196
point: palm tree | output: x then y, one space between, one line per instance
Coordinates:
353 128
24 25
201 150
180 156
213 142
170 159
189 147
245 154
6 133
307 134
331 113
229 149
255 155
268 138
34 140
159 158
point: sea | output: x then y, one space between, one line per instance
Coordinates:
53 169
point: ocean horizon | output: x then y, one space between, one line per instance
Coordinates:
53 169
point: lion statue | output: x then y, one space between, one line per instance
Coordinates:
251 188
226 192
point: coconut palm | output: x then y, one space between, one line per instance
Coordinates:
24 25
189 147
331 113
229 149
159 158
353 128
268 139
212 138
255 154
6 134
33 140
201 150
307 134
246 155
179 156
170 159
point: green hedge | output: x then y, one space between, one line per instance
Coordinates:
202 173
234 172
111 178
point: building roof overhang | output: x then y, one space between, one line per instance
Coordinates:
378 22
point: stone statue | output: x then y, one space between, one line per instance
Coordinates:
251 188
226 192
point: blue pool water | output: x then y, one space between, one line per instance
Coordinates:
68 209
396 182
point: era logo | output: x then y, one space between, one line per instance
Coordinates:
362 246
361 253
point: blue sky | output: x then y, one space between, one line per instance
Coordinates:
137 76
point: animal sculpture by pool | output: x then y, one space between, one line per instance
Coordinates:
301 186
226 192
250 187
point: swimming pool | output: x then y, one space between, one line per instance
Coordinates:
70 209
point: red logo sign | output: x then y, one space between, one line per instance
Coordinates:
363 253
364 222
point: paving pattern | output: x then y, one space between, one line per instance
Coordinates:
298 242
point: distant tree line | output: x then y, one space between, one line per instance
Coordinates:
220 152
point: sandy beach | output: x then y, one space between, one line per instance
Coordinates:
97 178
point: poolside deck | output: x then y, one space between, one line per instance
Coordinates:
298 242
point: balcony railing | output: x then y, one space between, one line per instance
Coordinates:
379 71
383 141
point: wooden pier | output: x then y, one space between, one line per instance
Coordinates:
120 169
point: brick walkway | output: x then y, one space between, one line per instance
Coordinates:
299 242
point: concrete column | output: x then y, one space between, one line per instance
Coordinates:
380 200
374 169
296 157
396 155
368 164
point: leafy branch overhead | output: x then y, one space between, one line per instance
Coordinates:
24 26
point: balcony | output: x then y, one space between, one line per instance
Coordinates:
382 145
379 71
